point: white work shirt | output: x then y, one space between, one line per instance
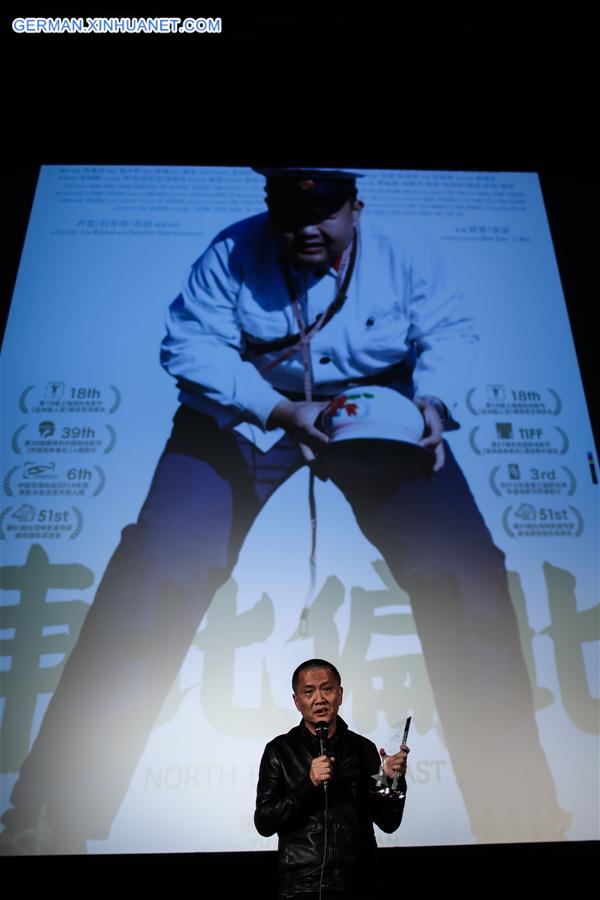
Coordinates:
237 290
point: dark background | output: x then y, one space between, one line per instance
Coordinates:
455 91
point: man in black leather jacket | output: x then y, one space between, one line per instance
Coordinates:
323 805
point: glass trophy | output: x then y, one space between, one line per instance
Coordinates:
394 788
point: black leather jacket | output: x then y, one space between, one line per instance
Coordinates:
288 803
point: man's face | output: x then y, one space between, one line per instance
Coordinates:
319 244
318 697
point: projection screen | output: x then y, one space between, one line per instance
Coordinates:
87 409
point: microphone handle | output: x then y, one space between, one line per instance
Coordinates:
322 750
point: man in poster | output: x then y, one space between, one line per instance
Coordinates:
281 313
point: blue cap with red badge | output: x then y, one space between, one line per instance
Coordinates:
307 193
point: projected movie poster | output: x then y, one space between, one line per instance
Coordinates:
453 596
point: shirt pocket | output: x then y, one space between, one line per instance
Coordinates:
383 330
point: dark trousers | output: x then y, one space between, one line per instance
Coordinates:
207 490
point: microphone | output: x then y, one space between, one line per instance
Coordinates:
322 732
